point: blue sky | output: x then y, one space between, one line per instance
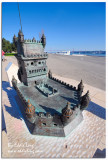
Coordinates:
67 26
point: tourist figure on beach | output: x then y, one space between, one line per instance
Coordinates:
3 57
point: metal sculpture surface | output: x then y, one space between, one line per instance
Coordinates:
51 106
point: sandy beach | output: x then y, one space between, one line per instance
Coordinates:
90 69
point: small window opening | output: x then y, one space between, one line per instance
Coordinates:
44 124
65 146
55 124
31 63
39 62
21 70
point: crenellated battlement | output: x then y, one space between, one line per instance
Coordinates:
20 39
32 41
36 56
61 82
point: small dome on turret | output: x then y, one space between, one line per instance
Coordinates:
81 84
87 93
30 110
20 36
14 39
43 40
20 32
80 87
67 111
43 35
14 36
33 40
50 74
85 101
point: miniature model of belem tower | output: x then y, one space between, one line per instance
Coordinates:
51 107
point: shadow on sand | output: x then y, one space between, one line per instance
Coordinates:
11 93
97 110
100 153
14 110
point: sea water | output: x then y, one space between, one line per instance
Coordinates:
90 53
103 54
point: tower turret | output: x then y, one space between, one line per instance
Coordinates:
20 36
66 114
50 74
14 82
80 87
30 110
85 101
33 40
43 40
15 40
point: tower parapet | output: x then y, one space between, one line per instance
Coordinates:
30 46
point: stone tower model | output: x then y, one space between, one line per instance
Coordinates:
31 59
50 106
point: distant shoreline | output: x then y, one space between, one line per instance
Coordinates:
81 54
90 55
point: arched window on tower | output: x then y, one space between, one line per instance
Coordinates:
31 63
